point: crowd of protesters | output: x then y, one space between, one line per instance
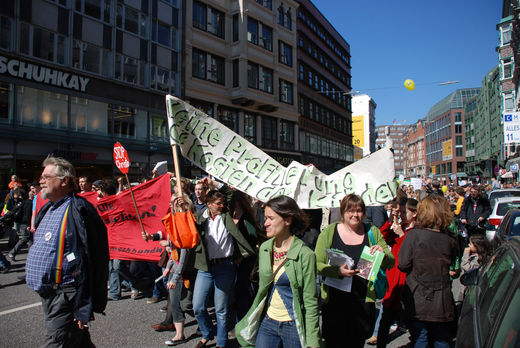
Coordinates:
265 268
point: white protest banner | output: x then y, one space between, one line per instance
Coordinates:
228 157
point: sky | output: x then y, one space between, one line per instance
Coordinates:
426 41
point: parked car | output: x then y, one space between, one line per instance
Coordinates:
503 193
509 227
499 209
490 315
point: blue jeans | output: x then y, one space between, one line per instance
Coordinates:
274 334
221 277
437 333
4 263
114 279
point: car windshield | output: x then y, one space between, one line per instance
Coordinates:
498 194
503 208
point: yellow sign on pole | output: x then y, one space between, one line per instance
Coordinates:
358 131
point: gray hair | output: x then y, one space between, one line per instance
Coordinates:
63 169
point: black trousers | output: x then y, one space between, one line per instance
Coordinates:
60 328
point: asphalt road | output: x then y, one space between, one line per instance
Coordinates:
126 323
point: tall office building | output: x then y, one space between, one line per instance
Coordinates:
240 69
444 135
415 157
76 76
396 137
364 123
324 84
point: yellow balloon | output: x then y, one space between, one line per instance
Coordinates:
409 85
444 189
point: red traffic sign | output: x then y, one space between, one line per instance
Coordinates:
121 158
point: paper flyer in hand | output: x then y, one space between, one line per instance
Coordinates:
337 258
369 264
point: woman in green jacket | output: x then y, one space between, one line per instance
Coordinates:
285 310
348 317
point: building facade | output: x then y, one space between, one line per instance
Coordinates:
415 157
324 83
364 123
484 128
444 135
77 76
396 137
241 69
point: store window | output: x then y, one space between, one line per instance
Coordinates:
88 116
269 132
41 108
159 128
162 80
228 117
128 122
6 101
250 127
287 135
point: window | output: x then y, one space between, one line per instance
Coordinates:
265 3
285 53
288 20
162 79
252 75
129 70
43 44
217 69
6 40
159 127
250 127
458 117
458 128
164 34
198 64
199 15
228 117
507 68
216 66
267 38
458 151
286 92
458 140
280 15
269 132
252 31
236 77
235 28
266 83
286 135
506 34
509 103
131 20
216 24
302 74
99 9
41 108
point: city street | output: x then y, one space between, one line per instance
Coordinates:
126 324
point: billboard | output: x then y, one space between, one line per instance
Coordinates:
358 131
512 128
447 150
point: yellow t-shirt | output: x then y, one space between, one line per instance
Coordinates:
276 309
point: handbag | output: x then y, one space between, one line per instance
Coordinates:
381 282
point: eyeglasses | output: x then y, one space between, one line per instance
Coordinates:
47 177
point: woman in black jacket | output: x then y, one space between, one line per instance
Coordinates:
425 256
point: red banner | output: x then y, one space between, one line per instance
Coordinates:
124 232
91 197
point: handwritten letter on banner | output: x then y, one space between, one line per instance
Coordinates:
230 158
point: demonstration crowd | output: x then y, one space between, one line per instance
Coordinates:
270 269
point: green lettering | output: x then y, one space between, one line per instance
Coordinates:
214 137
237 145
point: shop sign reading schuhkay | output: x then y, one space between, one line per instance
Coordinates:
34 72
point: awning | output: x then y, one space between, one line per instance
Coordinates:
507 175
462 175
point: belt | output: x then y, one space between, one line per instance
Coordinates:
221 259
63 286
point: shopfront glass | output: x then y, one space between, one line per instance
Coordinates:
41 108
